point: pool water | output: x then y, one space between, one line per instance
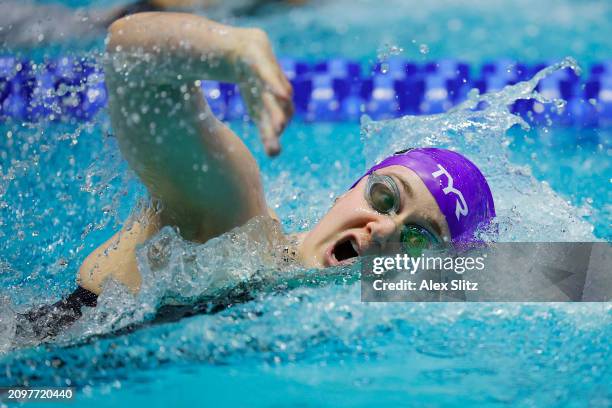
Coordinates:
64 189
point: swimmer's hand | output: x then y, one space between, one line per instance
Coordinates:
264 87
179 48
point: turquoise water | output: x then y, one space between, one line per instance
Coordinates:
64 189
523 30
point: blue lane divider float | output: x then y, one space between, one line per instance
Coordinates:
338 89
63 89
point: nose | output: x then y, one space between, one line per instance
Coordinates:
381 230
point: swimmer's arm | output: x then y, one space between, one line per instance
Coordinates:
116 257
205 177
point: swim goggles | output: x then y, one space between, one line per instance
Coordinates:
383 195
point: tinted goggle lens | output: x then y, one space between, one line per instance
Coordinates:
415 239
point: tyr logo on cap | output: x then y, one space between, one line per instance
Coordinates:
461 207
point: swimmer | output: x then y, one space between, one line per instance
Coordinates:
206 182
31 23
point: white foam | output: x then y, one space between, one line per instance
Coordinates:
7 324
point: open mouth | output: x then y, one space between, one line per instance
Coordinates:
345 250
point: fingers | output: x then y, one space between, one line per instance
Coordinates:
273 78
276 119
268 95
268 136
251 100
288 108
285 82
273 74
286 90
276 83
283 94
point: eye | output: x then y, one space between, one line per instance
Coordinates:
415 239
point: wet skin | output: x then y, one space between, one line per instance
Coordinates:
352 218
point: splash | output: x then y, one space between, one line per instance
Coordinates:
528 210
298 319
7 324
177 272
331 324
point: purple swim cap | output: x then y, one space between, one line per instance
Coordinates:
457 185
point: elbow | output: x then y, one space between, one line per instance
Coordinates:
116 36
126 38
116 41
128 31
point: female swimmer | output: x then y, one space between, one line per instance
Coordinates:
167 134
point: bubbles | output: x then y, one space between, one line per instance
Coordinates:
62 182
384 53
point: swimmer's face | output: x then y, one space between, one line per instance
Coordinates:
352 220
